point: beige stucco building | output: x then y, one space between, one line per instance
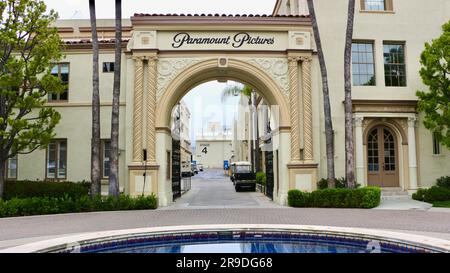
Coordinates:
165 56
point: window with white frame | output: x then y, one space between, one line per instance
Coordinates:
57 159
106 148
375 5
11 168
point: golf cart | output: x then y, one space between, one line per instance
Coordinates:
242 176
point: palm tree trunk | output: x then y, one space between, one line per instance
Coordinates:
349 147
255 132
250 125
95 141
329 133
114 157
2 177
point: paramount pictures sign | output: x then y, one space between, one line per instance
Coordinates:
267 41
236 41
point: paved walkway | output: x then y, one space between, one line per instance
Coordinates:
13 231
220 204
212 189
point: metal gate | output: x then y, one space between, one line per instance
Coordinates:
269 174
176 169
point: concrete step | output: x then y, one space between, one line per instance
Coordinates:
394 194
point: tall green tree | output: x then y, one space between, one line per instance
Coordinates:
329 133
349 142
234 90
435 73
114 150
95 141
29 47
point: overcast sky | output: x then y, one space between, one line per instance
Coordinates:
76 9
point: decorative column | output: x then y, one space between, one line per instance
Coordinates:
412 153
293 97
307 109
151 109
137 108
359 150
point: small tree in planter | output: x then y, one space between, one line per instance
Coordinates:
261 181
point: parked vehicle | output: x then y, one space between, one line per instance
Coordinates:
194 168
242 176
185 169
200 167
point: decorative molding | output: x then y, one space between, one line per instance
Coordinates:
168 69
276 68
302 166
307 108
294 99
142 167
383 106
151 108
138 107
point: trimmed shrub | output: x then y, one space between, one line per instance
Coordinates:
436 193
432 194
261 178
341 183
29 189
298 198
67 204
368 197
419 195
443 181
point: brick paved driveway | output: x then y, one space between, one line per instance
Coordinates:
251 208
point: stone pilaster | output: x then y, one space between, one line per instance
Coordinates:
413 185
359 150
307 109
294 100
151 109
138 108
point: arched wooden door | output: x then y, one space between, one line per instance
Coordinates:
382 158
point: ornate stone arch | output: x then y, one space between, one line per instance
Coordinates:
212 69
395 126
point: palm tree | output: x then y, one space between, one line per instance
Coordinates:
329 138
349 147
95 142
234 90
114 150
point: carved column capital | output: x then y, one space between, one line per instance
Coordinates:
358 121
305 59
412 121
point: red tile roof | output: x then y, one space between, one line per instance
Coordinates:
216 15
89 41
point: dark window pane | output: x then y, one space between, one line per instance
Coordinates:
108 67
363 64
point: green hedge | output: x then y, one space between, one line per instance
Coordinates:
368 197
261 178
432 194
340 183
28 189
67 204
443 181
